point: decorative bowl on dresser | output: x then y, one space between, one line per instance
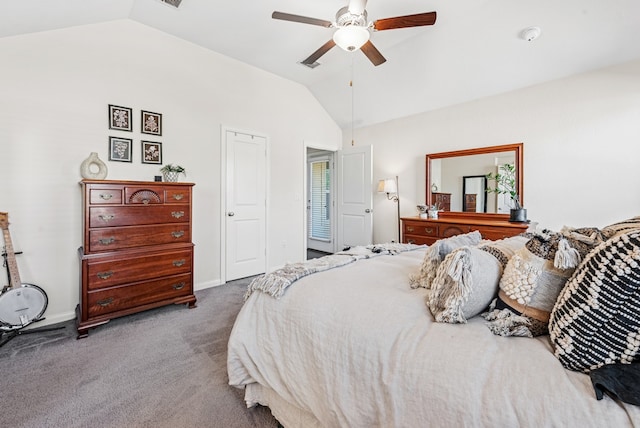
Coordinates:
137 252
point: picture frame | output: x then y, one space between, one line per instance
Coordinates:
120 118
120 149
150 123
151 152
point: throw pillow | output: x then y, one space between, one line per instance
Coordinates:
621 227
467 280
596 320
436 253
532 280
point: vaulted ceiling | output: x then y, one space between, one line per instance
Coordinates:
474 50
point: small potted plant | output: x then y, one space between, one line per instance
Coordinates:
171 172
505 180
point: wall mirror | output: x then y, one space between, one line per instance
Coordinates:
474 194
459 179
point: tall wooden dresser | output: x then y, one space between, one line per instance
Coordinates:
137 252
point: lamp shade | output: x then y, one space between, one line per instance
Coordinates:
351 37
387 186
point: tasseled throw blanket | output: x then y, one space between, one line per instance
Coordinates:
275 283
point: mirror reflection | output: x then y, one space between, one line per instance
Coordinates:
474 194
456 181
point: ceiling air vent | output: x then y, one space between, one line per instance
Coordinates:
174 3
310 65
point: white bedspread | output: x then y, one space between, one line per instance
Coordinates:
355 346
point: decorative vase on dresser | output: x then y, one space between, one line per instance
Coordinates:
137 252
416 230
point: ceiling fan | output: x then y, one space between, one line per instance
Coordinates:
353 30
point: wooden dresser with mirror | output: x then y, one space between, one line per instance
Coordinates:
461 174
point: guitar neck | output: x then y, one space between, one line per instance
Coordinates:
11 259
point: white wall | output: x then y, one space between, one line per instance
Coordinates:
55 87
581 147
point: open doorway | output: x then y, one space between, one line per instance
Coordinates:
320 205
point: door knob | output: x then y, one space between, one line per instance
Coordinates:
368 210
231 213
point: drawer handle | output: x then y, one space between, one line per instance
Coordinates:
178 196
105 302
178 286
178 263
107 241
105 275
106 217
409 229
411 241
146 201
428 230
106 196
177 214
178 234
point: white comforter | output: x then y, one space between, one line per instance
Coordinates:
357 347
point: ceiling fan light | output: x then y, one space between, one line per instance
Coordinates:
351 37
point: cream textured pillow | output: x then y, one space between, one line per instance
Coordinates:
533 279
436 253
596 319
467 280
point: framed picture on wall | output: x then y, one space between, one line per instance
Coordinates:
151 123
151 152
120 118
120 149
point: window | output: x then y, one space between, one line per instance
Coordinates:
320 224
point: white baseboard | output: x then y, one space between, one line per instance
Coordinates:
207 284
66 316
53 319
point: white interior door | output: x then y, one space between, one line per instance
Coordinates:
245 215
355 194
320 207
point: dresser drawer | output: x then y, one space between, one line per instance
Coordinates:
116 238
448 230
115 271
177 195
147 195
101 196
418 240
137 215
420 228
123 297
495 233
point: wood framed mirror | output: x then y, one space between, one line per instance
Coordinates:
446 172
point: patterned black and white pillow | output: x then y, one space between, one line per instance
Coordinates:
596 319
621 227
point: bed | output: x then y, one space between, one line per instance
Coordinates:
356 346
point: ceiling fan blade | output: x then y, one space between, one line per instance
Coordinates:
373 53
417 20
302 19
317 54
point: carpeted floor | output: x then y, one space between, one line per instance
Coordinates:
161 368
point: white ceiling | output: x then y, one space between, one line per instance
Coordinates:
474 49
